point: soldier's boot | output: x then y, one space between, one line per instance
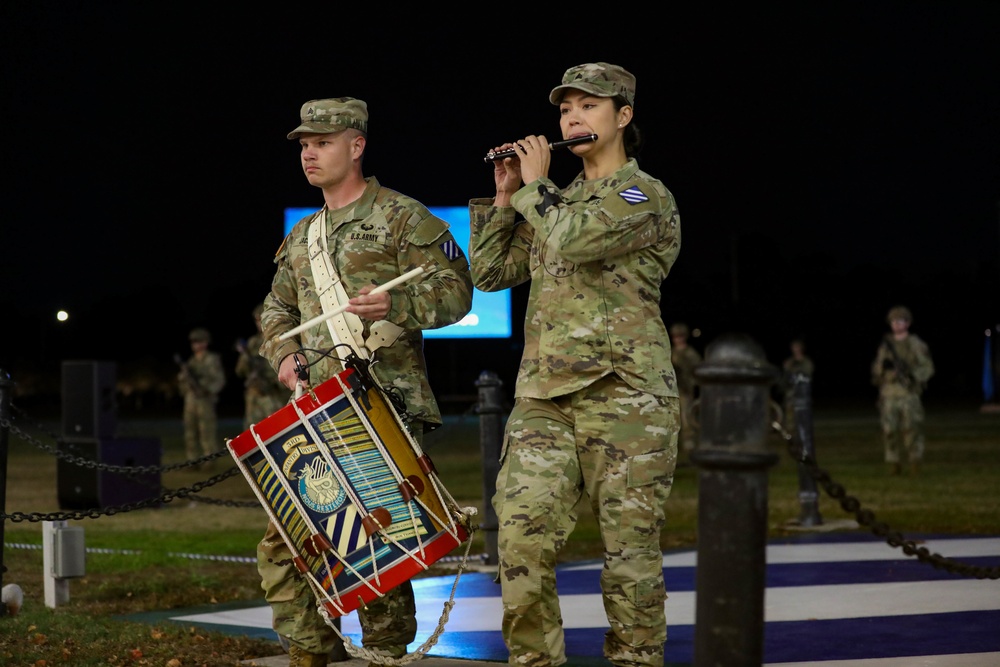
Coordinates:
895 468
298 657
914 468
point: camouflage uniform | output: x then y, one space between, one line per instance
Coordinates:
263 393
382 235
596 401
685 359
792 369
901 370
201 379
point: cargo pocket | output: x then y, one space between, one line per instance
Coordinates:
501 481
650 480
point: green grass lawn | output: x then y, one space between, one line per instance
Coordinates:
956 492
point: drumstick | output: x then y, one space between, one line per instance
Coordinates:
341 308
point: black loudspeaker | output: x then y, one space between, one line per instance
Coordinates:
83 488
89 405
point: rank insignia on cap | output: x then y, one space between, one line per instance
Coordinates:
633 195
451 250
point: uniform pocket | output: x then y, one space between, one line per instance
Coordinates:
649 482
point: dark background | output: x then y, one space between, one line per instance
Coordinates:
829 159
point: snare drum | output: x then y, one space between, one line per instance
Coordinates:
357 502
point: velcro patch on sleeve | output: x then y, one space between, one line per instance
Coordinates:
451 250
633 195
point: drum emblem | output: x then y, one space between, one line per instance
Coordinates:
319 488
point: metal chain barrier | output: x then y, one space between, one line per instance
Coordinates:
166 495
836 491
866 518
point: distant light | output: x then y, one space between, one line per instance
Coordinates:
62 316
696 333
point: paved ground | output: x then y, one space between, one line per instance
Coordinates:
844 599
429 661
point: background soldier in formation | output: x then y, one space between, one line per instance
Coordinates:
685 359
201 378
901 370
794 369
263 393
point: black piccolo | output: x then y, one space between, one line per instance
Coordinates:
493 156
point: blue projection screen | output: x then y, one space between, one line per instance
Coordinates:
490 316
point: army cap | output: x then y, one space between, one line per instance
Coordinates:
899 313
200 334
331 115
601 79
679 329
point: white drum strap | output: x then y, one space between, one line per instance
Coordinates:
344 327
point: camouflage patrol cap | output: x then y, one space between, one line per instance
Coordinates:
200 334
899 313
601 79
331 115
679 329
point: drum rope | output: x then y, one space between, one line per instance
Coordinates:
321 444
421 651
380 445
448 522
292 496
328 457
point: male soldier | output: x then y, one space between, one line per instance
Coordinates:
685 359
201 378
263 393
364 236
794 368
901 370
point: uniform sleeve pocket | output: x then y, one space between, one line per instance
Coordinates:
427 231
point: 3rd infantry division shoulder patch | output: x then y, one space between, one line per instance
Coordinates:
633 195
451 250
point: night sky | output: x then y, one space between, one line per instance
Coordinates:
829 159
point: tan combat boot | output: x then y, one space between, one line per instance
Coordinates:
298 657
895 469
914 468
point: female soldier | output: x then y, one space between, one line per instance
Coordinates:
596 405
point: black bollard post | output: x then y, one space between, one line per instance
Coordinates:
6 389
735 380
491 425
809 515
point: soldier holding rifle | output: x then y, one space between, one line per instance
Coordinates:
201 378
263 393
901 369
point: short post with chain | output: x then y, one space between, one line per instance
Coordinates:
809 517
491 425
735 380
6 388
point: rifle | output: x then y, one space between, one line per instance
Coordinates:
189 380
897 363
